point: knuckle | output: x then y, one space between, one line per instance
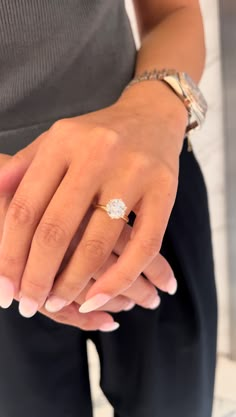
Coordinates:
51 234
107 134
105 138
10 259
60 125
141 162
95 248
21 211
150 246
33 286
168 177
72 287
111 136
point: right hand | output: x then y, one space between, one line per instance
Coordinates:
142 292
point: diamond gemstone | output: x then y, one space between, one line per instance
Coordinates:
116 208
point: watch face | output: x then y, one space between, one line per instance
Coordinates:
193 92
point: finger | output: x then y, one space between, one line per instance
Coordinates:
13 171
6 287
159 272
23 215
92 251
141 292
70 315
144 245
59 222
116 305
93 321
4 204
52 237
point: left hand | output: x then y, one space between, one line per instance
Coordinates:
141 292
127 150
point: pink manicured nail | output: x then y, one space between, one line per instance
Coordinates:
155 303
129 306
109 327
172 286
54 304
93 303
6 292
28 307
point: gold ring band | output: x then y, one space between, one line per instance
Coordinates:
115 209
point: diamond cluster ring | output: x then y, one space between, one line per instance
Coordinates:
115 208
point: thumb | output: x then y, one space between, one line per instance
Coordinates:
12 172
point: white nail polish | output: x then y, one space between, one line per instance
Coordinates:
6 292
94 303
109 327
28 307
172 286
54 304
155 303
129 306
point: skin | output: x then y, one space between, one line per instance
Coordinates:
129 150
142 292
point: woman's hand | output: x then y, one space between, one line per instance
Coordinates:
70 314
141 292
126 151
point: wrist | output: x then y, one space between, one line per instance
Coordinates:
157 98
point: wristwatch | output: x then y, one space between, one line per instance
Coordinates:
185 88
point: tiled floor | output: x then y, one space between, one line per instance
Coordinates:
225 391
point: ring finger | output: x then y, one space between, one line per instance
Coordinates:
93 250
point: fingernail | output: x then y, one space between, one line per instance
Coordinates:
93 303
129 306
54 304
172 286
109 327
6 292
28 307
155 303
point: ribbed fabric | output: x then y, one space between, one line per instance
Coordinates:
60 58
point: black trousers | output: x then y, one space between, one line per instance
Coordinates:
158 364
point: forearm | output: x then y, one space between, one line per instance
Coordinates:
175 42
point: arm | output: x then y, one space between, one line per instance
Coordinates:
172 36
129 150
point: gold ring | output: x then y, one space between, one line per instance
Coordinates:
115 209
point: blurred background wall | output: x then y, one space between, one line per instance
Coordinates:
209 147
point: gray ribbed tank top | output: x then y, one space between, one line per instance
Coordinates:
59 58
